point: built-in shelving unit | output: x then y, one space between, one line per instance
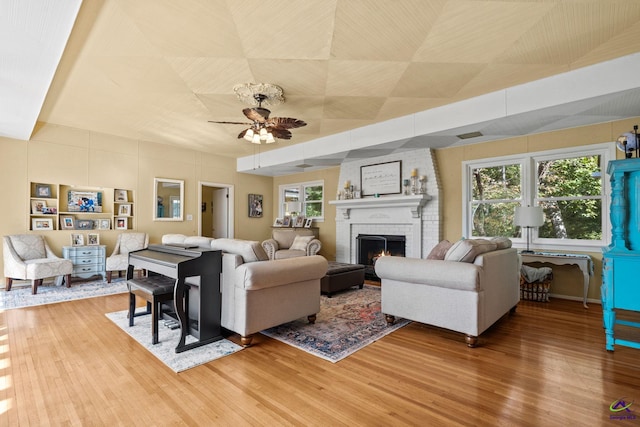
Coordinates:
71 207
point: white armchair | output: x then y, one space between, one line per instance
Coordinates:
291 243
119 258
28 257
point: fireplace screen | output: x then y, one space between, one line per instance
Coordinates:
370 247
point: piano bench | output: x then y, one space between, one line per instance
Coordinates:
155 290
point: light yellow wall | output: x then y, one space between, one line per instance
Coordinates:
71 156
63 155
567 280
327 228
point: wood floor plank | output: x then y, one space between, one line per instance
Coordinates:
68 364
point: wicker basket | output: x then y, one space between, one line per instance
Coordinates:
536 291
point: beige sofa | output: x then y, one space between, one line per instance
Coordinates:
467 291
258 293
291 242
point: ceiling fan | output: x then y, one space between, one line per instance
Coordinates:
262 127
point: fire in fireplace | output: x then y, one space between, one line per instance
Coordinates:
370 247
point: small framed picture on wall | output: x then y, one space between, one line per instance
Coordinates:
255 205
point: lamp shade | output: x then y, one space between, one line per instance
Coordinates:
530 216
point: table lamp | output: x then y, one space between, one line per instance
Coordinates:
528 217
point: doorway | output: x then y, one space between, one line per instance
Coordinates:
216 213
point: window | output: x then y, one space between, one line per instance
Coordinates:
310 195
569 184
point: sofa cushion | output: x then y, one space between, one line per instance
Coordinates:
249 250
502 242
440 250
300 243
466 250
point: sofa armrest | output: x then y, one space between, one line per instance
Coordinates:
444 274
314 247
268 274
270 247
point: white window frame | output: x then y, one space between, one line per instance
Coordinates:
301 188
529 189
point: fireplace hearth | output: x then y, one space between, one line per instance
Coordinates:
370 247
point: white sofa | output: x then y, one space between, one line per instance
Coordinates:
258 293
466 296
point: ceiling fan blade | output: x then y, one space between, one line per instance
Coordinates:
257 114
280 133
286 122
241 134
231 123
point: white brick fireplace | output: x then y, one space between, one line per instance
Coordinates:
417 217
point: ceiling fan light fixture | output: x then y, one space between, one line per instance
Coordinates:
263 134
256 138
270 138
249 135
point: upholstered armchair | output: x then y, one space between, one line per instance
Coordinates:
119 258
29 257
291 243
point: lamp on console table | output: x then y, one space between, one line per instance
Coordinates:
528 217
294 209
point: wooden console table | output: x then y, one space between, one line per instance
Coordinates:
581 260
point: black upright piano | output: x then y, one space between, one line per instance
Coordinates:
196 297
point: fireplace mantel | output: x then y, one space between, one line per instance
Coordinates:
413 202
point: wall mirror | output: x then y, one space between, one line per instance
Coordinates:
168 195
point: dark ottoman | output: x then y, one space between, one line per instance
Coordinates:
342 276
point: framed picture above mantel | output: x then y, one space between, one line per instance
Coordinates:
381 178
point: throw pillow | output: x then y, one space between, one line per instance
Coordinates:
300 243
440 250
467 250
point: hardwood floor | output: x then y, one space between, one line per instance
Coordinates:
67 364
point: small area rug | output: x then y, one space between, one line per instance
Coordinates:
165 350
347 322
20 294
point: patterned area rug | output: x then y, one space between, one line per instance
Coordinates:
165 350
20 294
346 323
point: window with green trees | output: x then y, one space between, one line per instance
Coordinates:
309 194
569 184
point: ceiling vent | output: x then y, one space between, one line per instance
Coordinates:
469 135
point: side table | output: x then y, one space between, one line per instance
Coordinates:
581 260
87 260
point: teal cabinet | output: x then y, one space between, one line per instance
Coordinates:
621 259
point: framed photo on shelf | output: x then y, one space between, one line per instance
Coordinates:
299 222
308 222
122 223
104 224
121 196
84 201
124 210
84 224
66 222
278 222
43 190
46 210
41 224
93 239
77 239
286 221
255 205
37 205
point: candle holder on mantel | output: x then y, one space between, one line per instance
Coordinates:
423 184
